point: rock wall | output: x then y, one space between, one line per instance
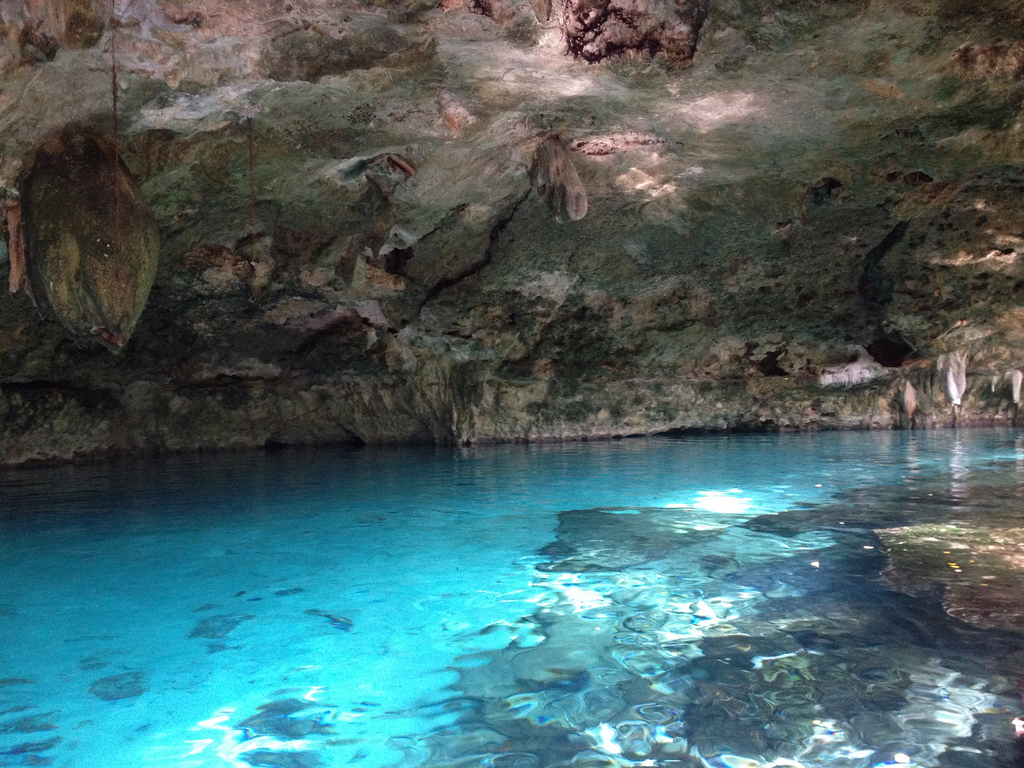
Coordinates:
463 221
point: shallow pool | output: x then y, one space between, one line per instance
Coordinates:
737 602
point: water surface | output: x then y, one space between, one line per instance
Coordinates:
700 601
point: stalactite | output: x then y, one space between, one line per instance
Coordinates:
1016 378
953 368
556 180
15 244
454 114
908 397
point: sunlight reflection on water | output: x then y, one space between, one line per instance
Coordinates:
704 602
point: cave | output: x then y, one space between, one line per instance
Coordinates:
472 222
326 321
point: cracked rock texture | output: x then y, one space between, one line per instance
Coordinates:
356 244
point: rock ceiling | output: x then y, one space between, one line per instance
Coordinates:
475 220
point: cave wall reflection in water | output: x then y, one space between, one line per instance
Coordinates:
737 602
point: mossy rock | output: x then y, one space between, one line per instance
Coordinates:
92 244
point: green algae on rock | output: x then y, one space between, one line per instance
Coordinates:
92 241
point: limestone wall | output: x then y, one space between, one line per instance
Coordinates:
356 242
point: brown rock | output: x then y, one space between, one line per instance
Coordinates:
91 239
72 24
15 244
599 29
311 52
557 182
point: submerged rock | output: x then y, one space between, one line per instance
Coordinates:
977 568
32 749
269 758
91 239
218 627
126 685
660 665
614 539
278 719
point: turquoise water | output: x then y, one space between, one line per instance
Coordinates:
697 601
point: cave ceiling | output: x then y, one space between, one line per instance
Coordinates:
475 220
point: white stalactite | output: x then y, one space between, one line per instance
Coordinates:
909 400
955 366
1016 377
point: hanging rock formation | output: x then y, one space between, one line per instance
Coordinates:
557 182
953 370
92 241
1015 378
908 401
15 244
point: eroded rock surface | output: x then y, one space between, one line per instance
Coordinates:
352 247
596 30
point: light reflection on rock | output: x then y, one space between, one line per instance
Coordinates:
655 653
978 569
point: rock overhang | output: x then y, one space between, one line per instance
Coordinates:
735 204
